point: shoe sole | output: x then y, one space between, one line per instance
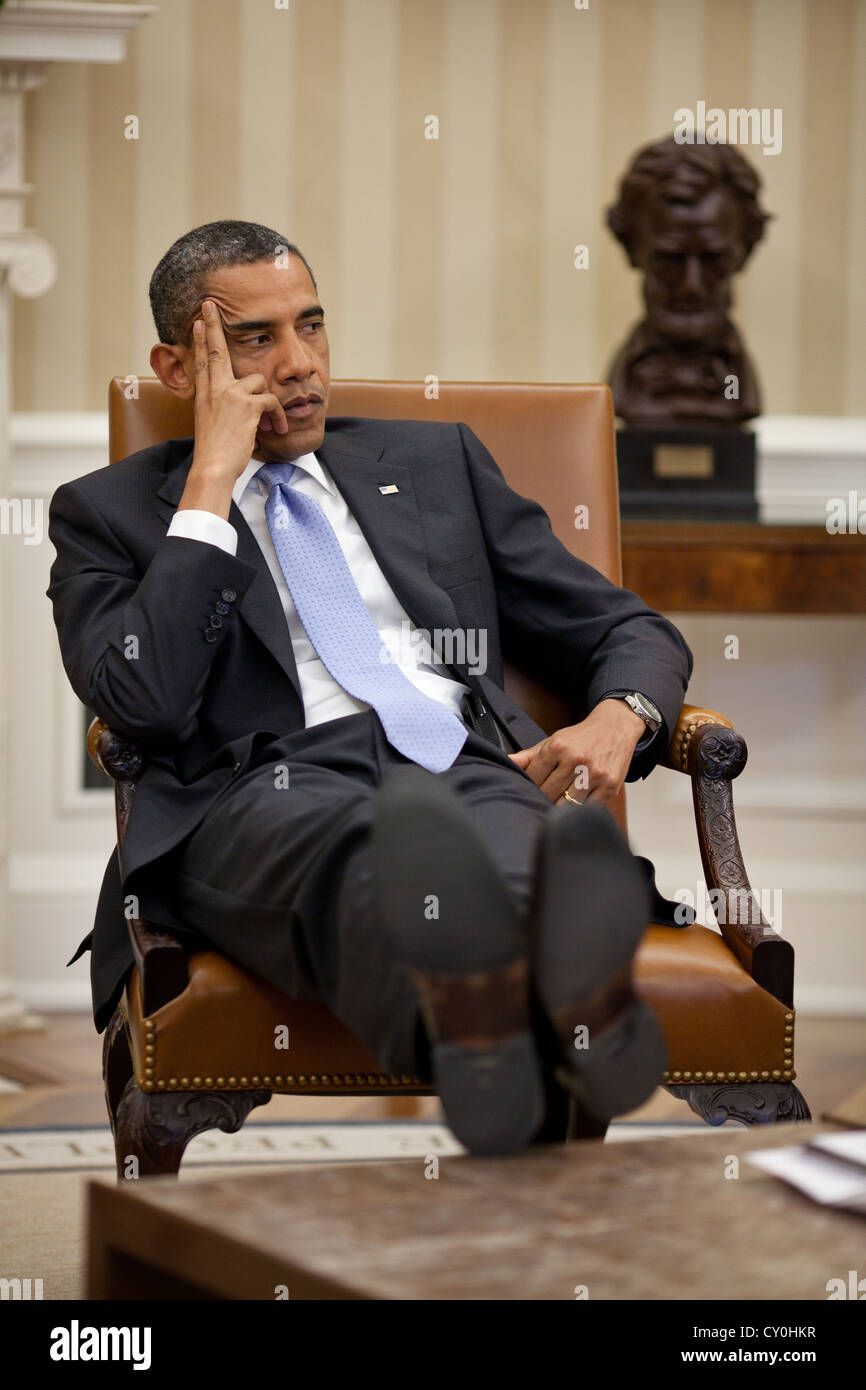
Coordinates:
591 912
425 847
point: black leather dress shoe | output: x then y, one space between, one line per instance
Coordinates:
590 912
458 931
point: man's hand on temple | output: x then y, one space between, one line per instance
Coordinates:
588 760
229 412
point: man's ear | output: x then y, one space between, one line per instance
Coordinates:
172 364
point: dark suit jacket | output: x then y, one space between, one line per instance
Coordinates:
459 548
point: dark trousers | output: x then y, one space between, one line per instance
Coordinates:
278 875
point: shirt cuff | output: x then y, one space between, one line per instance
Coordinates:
196 525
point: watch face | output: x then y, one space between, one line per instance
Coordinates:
646 709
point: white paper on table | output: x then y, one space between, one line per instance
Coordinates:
820 1176
849 1145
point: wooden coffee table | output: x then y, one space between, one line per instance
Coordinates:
652 1219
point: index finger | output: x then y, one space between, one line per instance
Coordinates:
199 356
218 360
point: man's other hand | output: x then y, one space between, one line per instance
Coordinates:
588 760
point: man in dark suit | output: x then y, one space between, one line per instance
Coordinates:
330 797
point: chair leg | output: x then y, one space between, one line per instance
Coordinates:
748 1103
116 1064
152 1129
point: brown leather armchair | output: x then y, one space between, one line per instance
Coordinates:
190 1046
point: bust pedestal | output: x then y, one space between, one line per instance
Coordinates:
681 472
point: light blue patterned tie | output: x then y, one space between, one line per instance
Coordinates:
338 623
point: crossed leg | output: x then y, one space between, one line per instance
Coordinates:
278 876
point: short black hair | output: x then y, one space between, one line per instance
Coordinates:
177 285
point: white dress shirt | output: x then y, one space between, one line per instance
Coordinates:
323 698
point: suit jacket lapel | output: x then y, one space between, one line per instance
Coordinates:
391 524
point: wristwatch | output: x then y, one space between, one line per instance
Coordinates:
648 712
646 709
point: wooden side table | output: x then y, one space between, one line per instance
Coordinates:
741 567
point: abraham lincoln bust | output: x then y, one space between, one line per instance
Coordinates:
688 218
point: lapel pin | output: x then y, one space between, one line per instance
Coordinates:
392 487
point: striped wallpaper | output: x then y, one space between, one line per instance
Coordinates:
451 256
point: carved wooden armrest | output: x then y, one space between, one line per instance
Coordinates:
117 755
709 750
692 717
121 759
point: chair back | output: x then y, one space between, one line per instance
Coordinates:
554 443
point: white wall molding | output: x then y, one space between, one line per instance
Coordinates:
62 31
66 876
57 996
53 448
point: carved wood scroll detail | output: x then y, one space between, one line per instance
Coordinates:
768 1102
155 1127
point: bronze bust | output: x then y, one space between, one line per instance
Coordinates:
688 217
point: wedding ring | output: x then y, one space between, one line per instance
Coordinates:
572 800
